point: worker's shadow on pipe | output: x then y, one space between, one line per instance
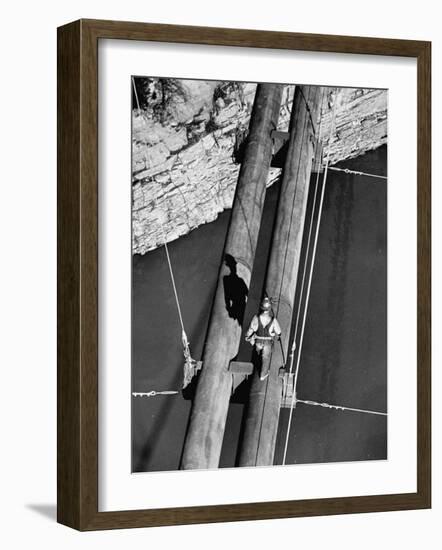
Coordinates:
235 291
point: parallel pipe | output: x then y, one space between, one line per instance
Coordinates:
202 447
262 416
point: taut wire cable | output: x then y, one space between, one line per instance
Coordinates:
153 393
173 282
357 173
339 407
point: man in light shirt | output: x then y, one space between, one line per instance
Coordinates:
264 329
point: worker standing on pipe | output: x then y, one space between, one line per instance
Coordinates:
264 329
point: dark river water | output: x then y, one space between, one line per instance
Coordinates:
344 354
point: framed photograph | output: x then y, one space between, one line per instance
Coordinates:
243 275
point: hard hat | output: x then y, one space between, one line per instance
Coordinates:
266 303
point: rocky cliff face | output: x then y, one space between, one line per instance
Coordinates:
184 138
360 123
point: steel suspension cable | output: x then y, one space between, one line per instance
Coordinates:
357 173
173 283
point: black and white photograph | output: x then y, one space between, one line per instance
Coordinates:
259 274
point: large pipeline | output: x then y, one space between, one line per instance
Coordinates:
202 447
262 415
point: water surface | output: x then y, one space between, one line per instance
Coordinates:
344 353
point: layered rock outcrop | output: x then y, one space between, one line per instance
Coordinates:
360 123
